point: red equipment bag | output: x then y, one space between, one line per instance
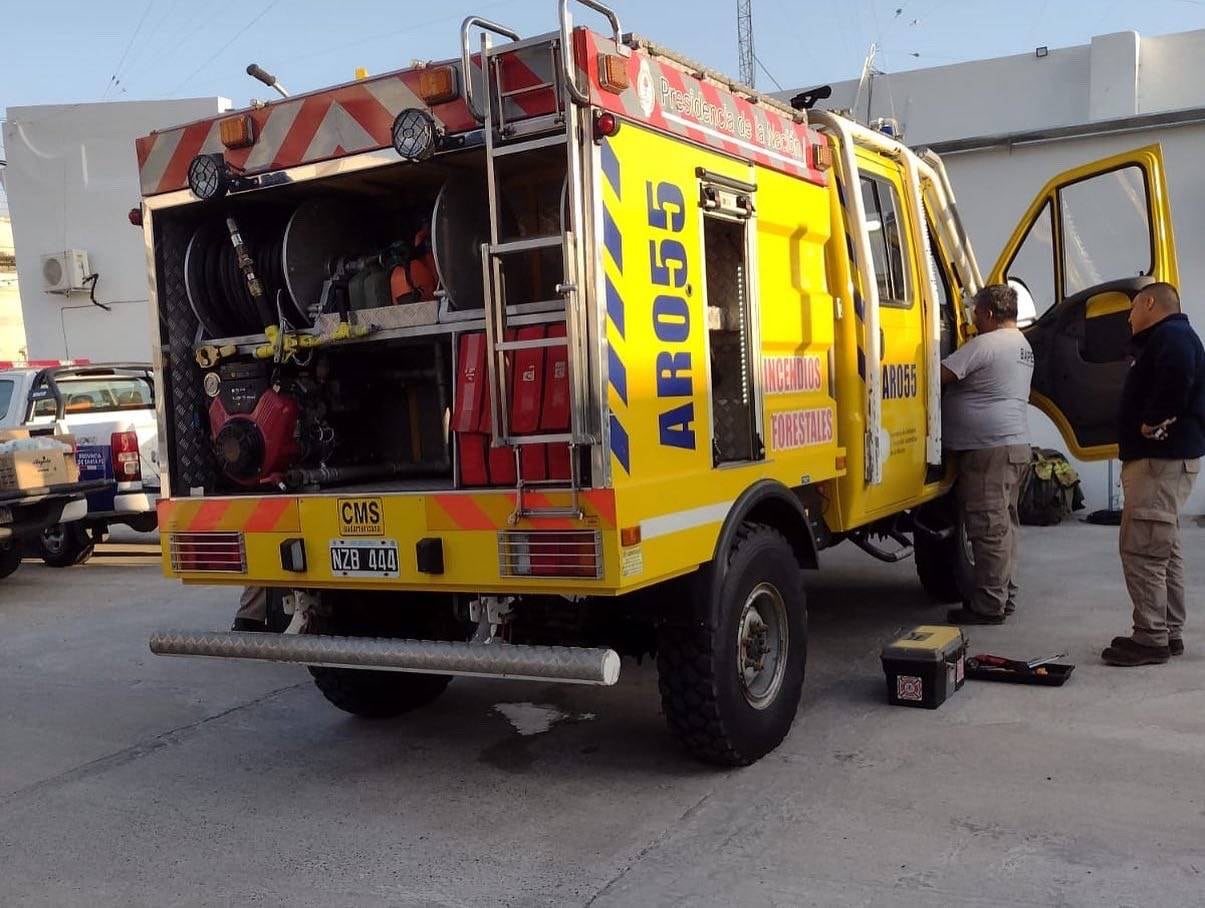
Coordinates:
554 415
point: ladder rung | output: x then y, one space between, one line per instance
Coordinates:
529 145
532 344
526 245
527 89
546 438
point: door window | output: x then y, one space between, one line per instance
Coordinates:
1106 229
945 295
885 224
1032 268
734 430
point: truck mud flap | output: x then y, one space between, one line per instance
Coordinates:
570 665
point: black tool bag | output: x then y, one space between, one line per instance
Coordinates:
1050 489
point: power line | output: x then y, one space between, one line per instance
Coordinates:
769 75
125 53
221 50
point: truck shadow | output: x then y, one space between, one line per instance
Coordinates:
528 729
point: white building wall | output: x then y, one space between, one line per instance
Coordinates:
1115 77
72 178
12 331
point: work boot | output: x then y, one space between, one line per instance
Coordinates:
249 624
965 616
1127 652
1175 646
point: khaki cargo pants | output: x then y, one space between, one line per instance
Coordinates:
1155 491
989 483
253 603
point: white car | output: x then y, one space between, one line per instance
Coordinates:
110 409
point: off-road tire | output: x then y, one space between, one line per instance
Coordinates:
65 545
702 694
10 558
945 567
377 695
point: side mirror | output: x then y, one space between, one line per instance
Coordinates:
1027 310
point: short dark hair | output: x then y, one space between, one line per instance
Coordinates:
1000 300
1166 295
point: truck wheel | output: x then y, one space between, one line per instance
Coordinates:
945 567
65 545
10 558
375 694
730 693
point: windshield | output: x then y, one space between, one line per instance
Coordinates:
98 394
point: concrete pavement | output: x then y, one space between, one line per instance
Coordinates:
127 779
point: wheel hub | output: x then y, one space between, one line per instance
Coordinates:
762 645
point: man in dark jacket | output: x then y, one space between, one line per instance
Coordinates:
1162 438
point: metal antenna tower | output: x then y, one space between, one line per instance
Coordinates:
744 41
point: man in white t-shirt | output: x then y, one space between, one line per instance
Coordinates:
985 427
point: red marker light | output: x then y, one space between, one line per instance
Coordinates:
135 216
606 124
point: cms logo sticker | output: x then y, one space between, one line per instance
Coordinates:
361 517
899 382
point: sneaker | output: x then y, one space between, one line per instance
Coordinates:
1129 653
965 616
1175 646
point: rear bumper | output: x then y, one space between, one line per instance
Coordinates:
135 502
567 664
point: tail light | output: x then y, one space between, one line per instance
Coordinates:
127 462
550 553
209 553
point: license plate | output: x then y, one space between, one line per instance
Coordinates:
360 558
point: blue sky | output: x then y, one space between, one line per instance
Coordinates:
68 51
56 51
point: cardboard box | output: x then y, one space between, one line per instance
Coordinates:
38 467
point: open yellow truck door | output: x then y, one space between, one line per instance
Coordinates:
1090 241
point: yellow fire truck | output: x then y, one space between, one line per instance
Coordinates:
571 348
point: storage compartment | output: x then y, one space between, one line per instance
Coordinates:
381 269
925 666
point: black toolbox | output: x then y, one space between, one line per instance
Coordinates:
925 666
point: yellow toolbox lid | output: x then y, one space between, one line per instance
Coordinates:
928 642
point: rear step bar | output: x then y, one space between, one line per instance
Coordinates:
567 664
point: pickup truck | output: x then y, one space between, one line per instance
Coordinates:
26 513
110 409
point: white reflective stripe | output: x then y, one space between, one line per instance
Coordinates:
158 158
280 121
339 129
394 95
684 520
213 139
739 143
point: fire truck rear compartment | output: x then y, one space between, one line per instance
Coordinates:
393 254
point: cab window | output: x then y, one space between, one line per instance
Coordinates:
1033 269
1106 229
6 398
885 225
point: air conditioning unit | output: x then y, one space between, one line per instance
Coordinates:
63 272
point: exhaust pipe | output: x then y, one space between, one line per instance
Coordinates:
567 664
